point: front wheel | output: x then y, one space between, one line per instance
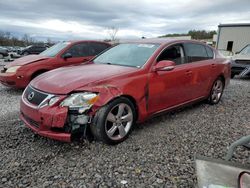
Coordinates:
114 121
216 91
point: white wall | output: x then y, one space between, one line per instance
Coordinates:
239 35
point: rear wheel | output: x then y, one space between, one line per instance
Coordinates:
216 91
232 75
113 123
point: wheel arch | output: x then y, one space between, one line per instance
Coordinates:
37 72
223 78
131 99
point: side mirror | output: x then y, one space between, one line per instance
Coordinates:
164 65
67 55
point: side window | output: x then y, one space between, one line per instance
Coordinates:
96 48
195 52
210 53
41 48
79 50
32 48
173 53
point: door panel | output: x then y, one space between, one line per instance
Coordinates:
200 60
169 88
60 62
202 77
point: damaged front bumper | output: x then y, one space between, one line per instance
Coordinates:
56 122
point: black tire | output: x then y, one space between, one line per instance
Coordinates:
101 125
216 91
232 75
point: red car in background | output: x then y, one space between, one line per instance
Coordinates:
124 85
21 71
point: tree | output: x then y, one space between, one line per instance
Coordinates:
195 34
49 42
112 32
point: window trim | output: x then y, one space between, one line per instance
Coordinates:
172 44
204 45
66 50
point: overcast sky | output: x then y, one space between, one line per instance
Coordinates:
88 19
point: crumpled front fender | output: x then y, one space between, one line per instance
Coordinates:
109 92
106 93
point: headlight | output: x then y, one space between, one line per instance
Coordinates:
53 100
12 69
80 100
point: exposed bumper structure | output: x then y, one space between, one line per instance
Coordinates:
55 122
45 121
45 131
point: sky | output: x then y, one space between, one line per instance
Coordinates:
90 19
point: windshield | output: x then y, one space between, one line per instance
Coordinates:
54 50
246 50
133 55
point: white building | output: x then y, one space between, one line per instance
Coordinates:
233 37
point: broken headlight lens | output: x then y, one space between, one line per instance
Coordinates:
53 100
80 100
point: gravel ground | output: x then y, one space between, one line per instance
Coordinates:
159 153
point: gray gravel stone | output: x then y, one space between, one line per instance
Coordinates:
159 153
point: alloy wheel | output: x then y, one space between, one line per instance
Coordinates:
217 91
119 121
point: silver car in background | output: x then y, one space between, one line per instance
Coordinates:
241 63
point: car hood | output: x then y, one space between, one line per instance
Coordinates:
66 79
27 60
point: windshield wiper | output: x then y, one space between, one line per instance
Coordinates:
108 63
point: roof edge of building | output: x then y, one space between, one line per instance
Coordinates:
235 25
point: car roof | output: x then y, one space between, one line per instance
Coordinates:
160 41
78 41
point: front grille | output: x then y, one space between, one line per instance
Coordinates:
31 121
34 96
243 62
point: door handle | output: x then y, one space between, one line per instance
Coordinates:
213 65
188 72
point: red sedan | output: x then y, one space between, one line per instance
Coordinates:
124 85
21 71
